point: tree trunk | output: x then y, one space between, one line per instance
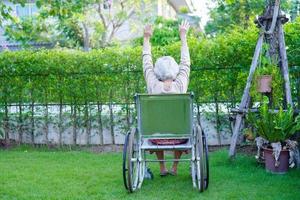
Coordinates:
60 123
87 124
103 41
218 125
198 113
100 124
60 115
86 37
127 106
111 116
32 117
20 125
47 124
74 116
32 123
128 116
6 125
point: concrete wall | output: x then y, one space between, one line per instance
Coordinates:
207 121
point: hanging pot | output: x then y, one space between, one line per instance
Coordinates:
279 167
264 84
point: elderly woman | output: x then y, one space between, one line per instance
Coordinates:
167 77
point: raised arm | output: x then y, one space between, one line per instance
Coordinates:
147 59
184 70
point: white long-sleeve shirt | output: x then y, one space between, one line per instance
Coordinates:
179 85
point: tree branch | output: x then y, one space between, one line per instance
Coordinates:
102 17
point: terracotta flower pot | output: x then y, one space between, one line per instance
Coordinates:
270 163
264 84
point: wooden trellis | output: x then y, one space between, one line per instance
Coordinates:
271 32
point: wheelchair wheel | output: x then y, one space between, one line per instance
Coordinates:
199 172
206 162
124 164
131 165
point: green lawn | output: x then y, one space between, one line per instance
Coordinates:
41 174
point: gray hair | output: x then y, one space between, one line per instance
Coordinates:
166 68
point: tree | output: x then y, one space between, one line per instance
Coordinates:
5 11
80 22
240 13
28 30
230 12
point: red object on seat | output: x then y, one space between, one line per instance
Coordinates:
168 141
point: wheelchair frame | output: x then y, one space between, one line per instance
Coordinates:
136 141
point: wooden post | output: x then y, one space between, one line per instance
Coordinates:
246 97
284 64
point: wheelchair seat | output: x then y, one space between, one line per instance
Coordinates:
168 141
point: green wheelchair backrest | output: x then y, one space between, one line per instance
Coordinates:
165 114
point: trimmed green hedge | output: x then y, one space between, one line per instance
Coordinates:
219 70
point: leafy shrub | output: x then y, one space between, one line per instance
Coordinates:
275 126
220 67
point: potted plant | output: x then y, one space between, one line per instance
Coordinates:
264 79
275 127
267 80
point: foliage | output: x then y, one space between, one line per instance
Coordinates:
228 13
223 61
294 9
100 68
28 30
275 126
80 23
268 67
5 11
166 33
292 32
183 10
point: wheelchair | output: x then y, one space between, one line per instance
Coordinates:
164 116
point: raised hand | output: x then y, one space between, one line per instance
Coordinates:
148 31
183 29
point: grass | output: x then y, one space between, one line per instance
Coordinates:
27 173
